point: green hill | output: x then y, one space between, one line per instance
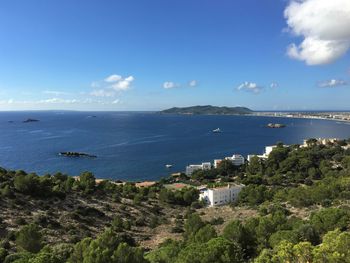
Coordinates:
208 109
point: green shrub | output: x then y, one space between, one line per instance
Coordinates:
29 238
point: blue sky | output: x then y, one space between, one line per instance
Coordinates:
155 54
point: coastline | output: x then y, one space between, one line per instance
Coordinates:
309 117
342 116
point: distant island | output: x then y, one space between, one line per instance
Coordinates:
208 110
76 154
275 125
30 120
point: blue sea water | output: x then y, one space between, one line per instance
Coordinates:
137 145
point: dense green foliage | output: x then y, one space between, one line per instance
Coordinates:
185 196
29 238
334 248
258 237
200 244
317 174
108 247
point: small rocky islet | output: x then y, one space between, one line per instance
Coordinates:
76 154
275 125
30 120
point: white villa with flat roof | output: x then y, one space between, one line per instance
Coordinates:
268 150
236 159
220 195
194 167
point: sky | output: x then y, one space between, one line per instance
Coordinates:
150 55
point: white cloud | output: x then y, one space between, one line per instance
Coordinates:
332 83
95 84
45 101
111 85
113 78
55 92
274 85
325 27
122 84
102 93
170 85
193 83
58 100
250 86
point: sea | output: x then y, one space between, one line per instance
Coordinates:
136 146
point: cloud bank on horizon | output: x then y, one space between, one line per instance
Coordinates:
324 26
332 83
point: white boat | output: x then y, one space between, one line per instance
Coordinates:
168 166
217 130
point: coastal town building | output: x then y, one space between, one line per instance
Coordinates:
250 156
265 155
220 195
236 159
268 150
194 167
321 141
217 162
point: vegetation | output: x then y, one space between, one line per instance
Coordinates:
300 196
208 109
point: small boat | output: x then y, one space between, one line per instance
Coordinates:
168 166
217 130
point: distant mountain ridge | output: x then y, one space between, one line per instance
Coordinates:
209 110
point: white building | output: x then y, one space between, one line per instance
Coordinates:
268 150
236 159
194 167
321 141
217 162
220 195
250 156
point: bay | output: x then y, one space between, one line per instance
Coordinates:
137 145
